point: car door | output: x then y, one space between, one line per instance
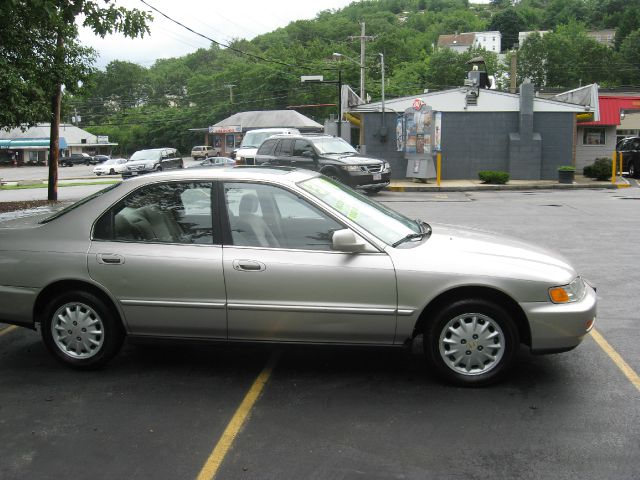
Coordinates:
166 159
158 253
282 154
304 155
285 283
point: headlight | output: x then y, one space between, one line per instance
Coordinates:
386 166
351 168
568 293
149 166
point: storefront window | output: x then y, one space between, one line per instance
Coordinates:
230 142
594 136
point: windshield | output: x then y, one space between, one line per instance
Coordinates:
255 139
382 222
328 145
80 202
145 155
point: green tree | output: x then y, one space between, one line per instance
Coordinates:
532 60
565 58
629 59
509 23
59 60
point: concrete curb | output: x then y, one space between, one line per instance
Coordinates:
487 188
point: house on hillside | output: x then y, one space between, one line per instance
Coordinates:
522 36
461 42
227 134
605 37
32 145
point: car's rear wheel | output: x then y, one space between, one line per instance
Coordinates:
81 330
112 172
98 173
471 342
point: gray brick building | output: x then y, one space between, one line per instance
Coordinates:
528 137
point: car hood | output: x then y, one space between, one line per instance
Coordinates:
352 159
251 151
466 251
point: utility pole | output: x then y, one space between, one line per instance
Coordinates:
513 85
363 39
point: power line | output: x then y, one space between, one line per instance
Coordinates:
233 49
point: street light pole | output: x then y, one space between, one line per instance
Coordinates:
382 70
339 102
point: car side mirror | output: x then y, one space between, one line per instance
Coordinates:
346 241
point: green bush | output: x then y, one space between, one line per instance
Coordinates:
566 168
600 169
490 176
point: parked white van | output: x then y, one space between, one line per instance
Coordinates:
246 154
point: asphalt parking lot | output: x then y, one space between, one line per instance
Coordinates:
261 412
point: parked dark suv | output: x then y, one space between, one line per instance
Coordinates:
152 160
331 156
75 159
630 149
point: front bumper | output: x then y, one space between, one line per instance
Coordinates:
367 180
135 173
560 327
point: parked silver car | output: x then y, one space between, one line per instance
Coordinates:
279 255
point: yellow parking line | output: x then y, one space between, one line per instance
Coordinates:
10 328
617 359
225 442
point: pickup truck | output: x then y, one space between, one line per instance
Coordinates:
75 159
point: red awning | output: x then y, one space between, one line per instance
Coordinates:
610 108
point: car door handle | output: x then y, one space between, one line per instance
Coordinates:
248 266
110 259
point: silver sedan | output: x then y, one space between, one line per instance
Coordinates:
274 255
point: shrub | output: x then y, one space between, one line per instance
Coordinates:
566 168
490 176
600 169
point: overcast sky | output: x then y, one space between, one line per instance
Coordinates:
219 20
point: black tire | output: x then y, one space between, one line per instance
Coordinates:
98 173
112 172
482 340
159 168
373 191
633 170
88 318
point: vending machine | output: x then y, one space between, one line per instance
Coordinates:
419 140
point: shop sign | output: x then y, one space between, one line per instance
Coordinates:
229 129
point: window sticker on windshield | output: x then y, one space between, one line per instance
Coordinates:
353 214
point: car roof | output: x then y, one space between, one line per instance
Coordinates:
238 173
304 135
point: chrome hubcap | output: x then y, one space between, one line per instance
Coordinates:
77 330
471 344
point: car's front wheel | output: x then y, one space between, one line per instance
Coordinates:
633 170
81 330
471 342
